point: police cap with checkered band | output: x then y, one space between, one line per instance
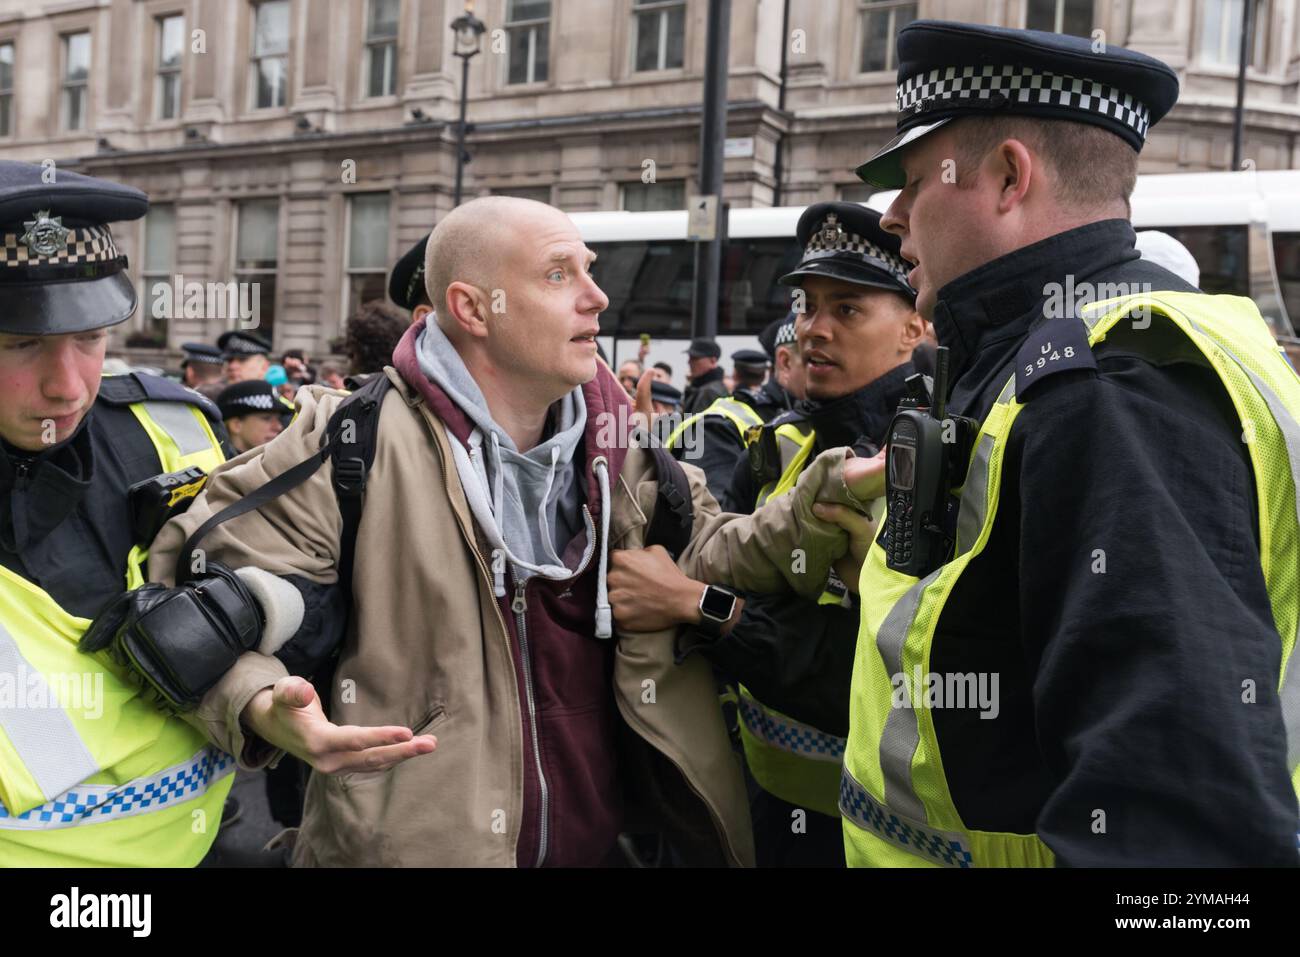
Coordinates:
60 271
844 241
249 397
949 70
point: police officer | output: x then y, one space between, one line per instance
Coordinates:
245 355
779 392
714 437
705 377
253 413
1094 664
201 368
91 773
792 659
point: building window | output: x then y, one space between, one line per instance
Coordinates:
381 47
270 66
1060 16
367 249
171 46
541 194
76 74
257 242
648 197
6 89
159 264
660 29
1221 33
528 23
881 21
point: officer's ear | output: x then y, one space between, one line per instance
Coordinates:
422 311
913 329
1013 171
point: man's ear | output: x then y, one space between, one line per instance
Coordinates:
913 331
1014 170
421 311
465 309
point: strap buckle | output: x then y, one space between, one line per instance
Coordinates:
350 475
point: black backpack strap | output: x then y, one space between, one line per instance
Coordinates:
352 455
674 514
351 451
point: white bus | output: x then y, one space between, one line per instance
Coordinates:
1243 229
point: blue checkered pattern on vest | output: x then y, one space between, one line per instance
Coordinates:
857 804
789 735
94 803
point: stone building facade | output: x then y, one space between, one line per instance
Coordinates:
304 144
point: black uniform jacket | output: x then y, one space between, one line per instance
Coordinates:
793 654
65 524
1120 599
703 390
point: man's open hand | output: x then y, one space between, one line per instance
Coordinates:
290 716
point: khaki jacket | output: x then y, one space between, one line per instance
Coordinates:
427 647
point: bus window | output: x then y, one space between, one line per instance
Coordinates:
1220 251
1286 258
649 285
750 296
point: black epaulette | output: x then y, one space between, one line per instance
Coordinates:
1059 345
142 387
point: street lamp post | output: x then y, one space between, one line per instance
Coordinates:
469 31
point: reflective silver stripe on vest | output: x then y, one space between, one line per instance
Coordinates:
179 422
96 803
901 735
942 847
789 735
44 737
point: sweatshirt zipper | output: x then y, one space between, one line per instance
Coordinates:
520 607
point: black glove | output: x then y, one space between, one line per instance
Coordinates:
180 641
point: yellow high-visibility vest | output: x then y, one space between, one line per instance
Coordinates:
895 801
91 772
738 413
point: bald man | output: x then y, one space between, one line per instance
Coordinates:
480 619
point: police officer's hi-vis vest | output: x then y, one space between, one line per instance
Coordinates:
742 416
91 772
895 801
796 762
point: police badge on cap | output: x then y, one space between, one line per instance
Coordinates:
60 271
948 70
844 241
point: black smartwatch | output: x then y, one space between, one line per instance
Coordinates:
716 607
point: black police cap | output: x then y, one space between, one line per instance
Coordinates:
200 352
665 393
844 241
406 282
246 398
948 70
60 271
704 349
238 343
750 357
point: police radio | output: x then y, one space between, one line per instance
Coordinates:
926 452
